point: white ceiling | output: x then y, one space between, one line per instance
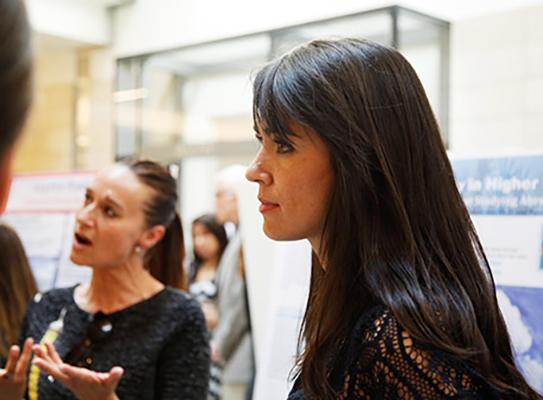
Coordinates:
446 9
110 3
460 9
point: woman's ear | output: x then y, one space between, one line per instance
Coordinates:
152 236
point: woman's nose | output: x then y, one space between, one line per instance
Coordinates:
84 216
257 172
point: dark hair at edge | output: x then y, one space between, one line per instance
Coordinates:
16 83
397 231
165 260
17 287
209 221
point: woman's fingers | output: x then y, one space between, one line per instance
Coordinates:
76 373
115 375
79 379
111 379
108 380
37 350
52 352
11 363
46 362
50 368
41 353
24 360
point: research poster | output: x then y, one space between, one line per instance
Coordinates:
504 196
41 208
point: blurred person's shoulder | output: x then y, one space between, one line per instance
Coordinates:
45 308
53 298
177 299
182 304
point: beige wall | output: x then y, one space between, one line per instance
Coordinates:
70 124
497 82
94 127
47 142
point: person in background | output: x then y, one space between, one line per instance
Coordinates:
17 288
131 333
402 303
231 341
209 241
15 99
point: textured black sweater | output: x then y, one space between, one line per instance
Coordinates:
385 362
160 342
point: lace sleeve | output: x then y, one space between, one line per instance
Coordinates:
389 364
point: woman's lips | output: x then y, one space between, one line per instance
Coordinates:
267 206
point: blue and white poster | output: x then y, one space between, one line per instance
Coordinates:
504 196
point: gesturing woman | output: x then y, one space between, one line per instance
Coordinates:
130 333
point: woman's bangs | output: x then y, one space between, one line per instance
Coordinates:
271 113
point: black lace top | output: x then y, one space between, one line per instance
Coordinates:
387 363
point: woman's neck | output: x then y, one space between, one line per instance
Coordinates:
210 263
207 270
113 289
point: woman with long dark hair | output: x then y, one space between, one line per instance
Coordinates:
402 303
131 332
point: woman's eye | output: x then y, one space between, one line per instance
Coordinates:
258 138
284 147
87 200
110 212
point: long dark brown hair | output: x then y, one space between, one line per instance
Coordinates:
17 287
164 260
16 70
397 231
209 221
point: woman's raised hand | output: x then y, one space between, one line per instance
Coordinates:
13 377
83 383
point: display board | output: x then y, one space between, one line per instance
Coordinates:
278 284
42 209
504 196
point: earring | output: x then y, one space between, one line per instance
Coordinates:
137 249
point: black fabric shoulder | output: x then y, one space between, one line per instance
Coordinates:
56 296
45 305
184 306
388 363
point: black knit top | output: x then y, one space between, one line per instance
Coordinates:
386 362
161 343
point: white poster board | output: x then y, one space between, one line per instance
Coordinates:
41 208
278 284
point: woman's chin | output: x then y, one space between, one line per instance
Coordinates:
280 235
77 258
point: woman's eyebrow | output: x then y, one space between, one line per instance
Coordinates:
113 202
